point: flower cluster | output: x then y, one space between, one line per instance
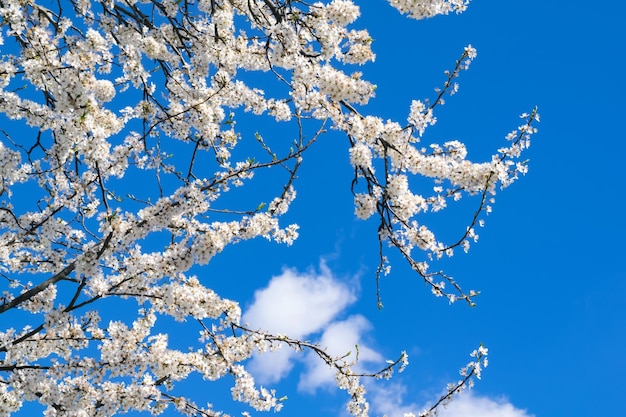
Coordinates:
420 9
386 156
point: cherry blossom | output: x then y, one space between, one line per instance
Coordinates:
123 144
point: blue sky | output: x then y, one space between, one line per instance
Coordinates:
549 261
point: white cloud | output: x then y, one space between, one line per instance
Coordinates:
469 405
389 401
297 305
271 367
339 338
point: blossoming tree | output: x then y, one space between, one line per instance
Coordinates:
119 146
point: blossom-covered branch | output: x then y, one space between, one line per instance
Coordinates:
128 127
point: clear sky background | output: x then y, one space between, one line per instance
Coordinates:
549 261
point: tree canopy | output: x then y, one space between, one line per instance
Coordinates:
126 129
